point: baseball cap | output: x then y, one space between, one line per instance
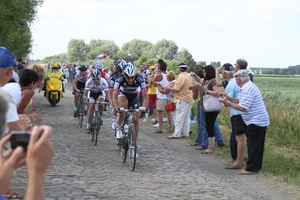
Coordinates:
228 67
182 65
242 72
6 58
152 67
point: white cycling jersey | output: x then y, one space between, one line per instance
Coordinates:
91 86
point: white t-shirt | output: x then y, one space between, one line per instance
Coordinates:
16 76
11 114
14 90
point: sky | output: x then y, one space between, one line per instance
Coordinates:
264 32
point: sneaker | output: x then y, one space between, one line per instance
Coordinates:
101 123
165 120
156 125
132 154
144 120
75 113
88 131
113 125
155 122
119 134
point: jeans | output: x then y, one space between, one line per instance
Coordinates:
202 136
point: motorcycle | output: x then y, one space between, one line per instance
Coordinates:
53 86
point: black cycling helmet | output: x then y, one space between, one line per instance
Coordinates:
83 68
120 65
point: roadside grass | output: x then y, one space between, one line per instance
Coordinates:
281 161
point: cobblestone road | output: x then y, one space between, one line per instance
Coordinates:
166 169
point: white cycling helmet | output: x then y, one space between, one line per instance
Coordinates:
129 70
99 66
121 65
95 74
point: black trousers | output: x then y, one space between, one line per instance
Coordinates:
233 143
255 144
210 119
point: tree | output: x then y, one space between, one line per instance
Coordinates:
165 49
215 64
15 19
77 49
202 63
137 48
104 46
184 56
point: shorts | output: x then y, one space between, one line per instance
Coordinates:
95 96
161 104
152 101
238 124
133 100
80 85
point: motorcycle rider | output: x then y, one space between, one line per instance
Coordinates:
119 66
79 85
96 89
54 68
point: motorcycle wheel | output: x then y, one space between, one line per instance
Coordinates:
53 100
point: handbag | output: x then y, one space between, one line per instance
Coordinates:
211 103
170 106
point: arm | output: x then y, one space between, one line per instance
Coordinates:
214 92
24 101
110 95
218 81
115 99
75 84
157 78
39 155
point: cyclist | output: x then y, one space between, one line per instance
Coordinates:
119 66
96 89
125 95
78 85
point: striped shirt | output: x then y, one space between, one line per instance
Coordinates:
251 100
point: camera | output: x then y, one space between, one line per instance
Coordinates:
20 138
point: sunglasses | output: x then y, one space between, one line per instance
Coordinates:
128 78
96 79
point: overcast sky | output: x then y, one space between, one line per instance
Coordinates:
264 32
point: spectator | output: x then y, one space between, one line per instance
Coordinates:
38 157
253 110
152 94
209 87
20 65
184 101
238 127
161 78
15 76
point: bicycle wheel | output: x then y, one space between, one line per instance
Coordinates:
80 112
132 147
96 129
123 148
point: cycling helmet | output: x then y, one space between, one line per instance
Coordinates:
98 65
95 74
129 70
83 68
120 65
55 65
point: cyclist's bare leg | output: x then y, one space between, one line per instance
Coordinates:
123 102
76 99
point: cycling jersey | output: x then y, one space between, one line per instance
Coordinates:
80 77
113 78
91 86
121 85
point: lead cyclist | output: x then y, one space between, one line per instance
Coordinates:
125 95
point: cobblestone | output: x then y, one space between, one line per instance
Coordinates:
166 169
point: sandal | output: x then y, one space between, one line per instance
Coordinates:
158 131
15 195
208 151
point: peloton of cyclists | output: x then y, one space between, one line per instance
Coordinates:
79 85
96 89
119 66
125 95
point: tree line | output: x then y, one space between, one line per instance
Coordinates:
141 50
